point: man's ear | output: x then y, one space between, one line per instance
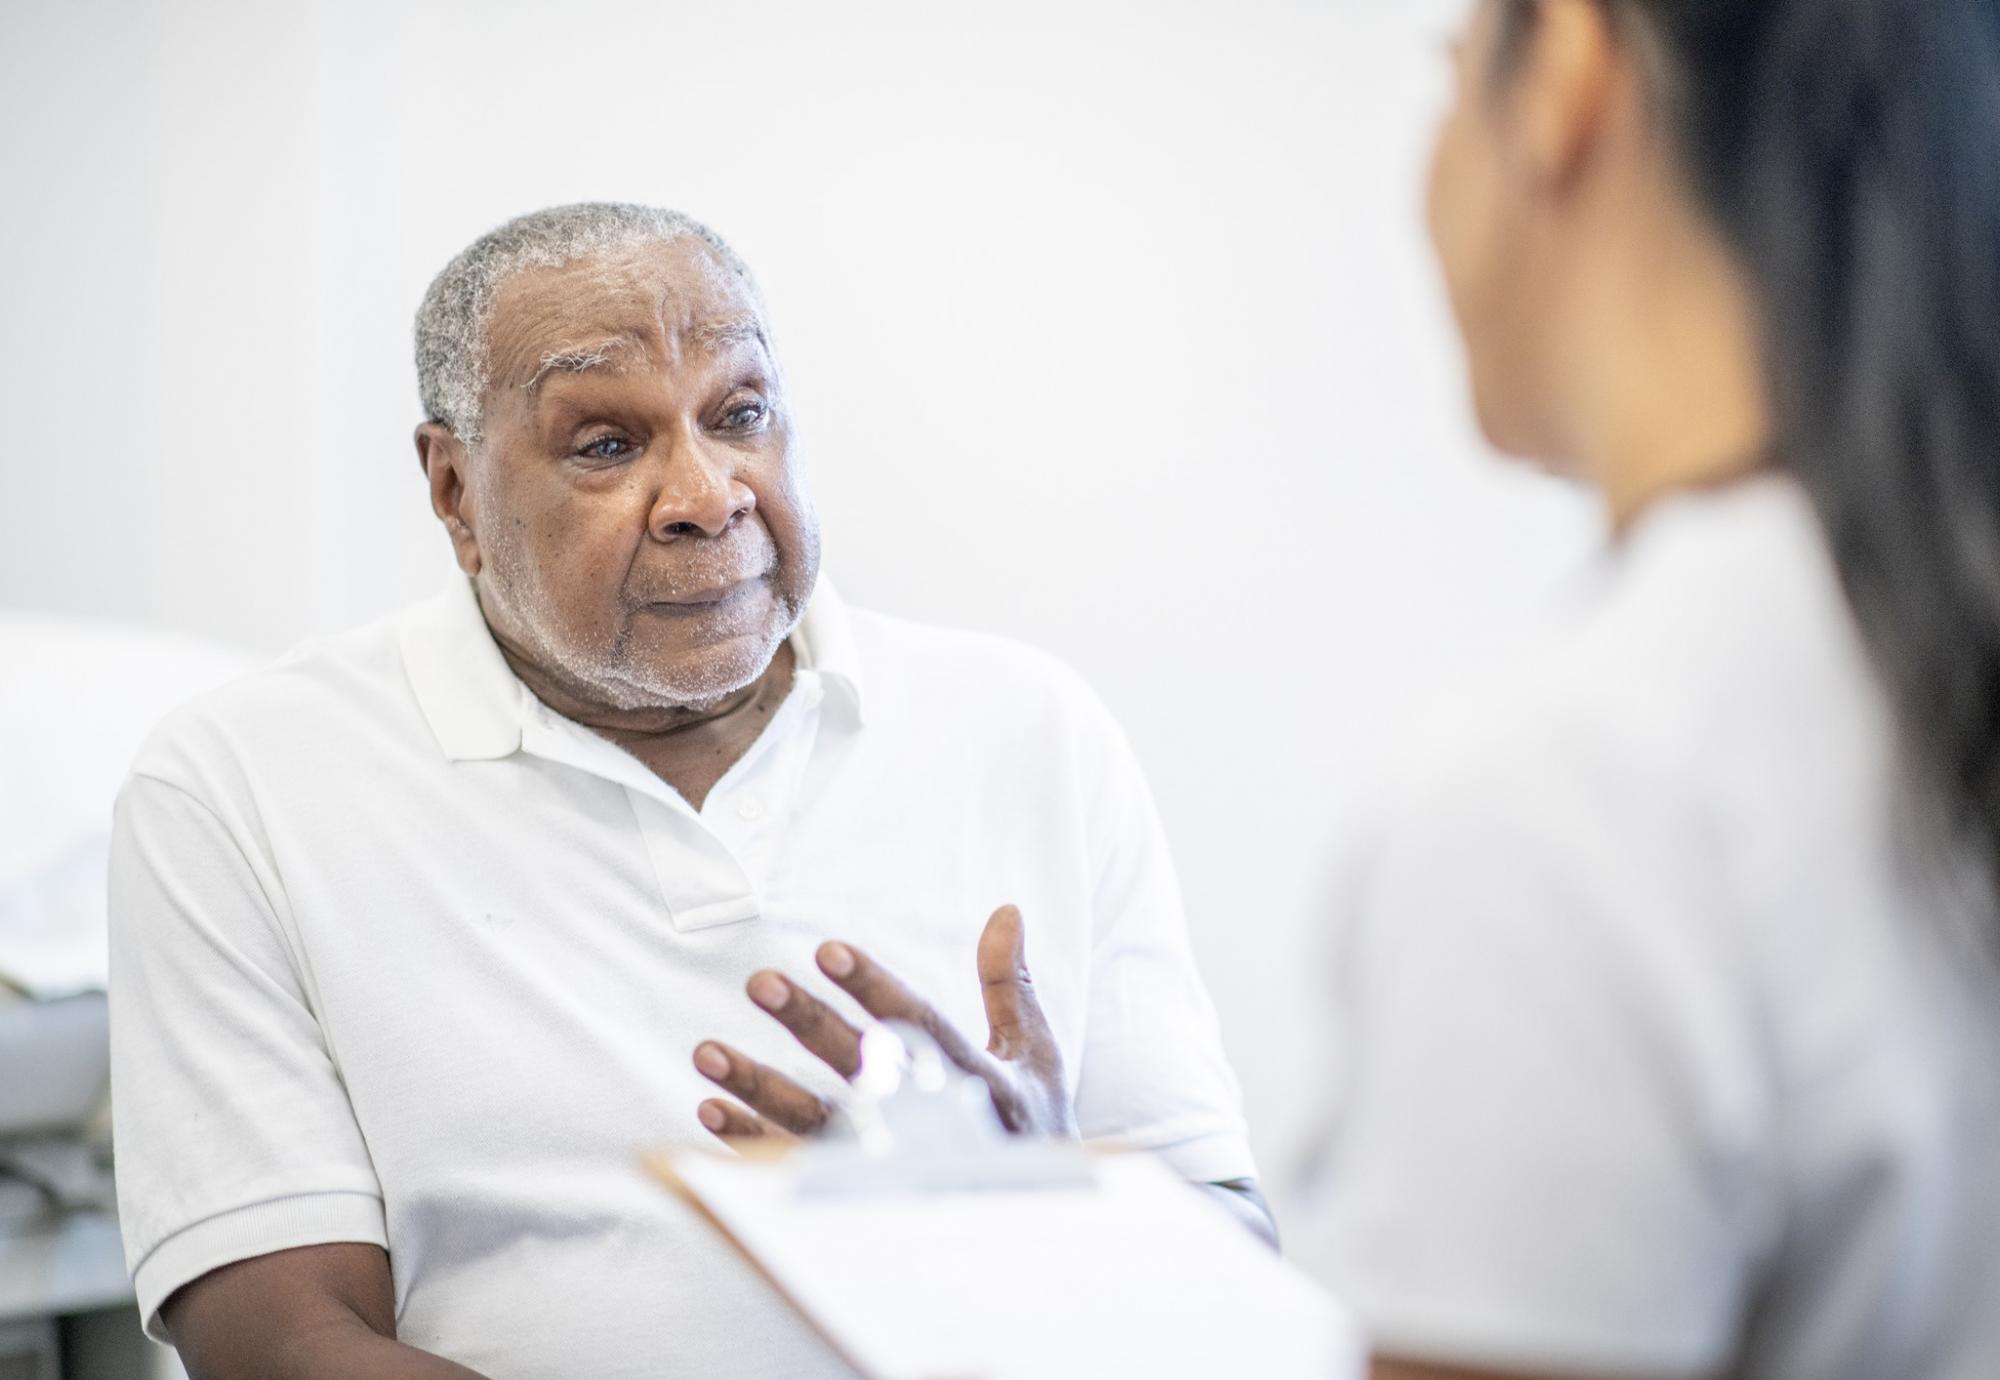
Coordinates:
1561 95
445 463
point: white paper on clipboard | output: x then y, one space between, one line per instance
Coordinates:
1139 1276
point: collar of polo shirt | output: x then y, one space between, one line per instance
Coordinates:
474 702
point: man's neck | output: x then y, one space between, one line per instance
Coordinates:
690 747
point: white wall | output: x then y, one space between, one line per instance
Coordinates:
1110 326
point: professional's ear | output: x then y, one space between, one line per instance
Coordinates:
1561 92
444 459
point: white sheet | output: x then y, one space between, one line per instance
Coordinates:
77 698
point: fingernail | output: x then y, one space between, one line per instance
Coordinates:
711 1116
770 991
837 960
712 1062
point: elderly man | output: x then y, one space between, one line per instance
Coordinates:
423 934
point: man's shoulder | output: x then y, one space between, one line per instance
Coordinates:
968 673
314 697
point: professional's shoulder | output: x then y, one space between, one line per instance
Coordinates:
1720 643
1727 605
1713 697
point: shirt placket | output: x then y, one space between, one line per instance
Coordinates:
708 863
751 806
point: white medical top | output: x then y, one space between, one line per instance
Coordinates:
1661 1056
401 956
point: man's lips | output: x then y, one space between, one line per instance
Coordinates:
704 597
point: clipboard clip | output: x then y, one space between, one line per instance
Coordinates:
916 1123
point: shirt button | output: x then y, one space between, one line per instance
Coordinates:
750 809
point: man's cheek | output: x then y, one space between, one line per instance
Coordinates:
793 524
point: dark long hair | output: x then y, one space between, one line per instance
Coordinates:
1849 151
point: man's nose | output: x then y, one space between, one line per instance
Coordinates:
698 495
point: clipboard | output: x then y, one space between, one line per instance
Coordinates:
1025 1261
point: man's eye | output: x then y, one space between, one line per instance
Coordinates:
744 416
607 448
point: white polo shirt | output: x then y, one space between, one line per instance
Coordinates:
401 956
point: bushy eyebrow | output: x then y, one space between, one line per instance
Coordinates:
734 330
605 353
577 359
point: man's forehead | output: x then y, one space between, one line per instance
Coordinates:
598 309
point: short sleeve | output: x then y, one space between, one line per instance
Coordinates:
1153 1073
232 1133
1550 1153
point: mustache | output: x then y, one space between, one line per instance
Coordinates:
691 566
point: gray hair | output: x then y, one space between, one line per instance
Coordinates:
453 322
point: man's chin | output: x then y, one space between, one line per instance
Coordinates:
701 677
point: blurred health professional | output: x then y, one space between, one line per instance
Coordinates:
1669 1005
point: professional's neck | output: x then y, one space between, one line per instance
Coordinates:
1670 390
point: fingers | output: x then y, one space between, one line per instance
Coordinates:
772 1096
1013 1012
729 1122
812 1022
885 998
